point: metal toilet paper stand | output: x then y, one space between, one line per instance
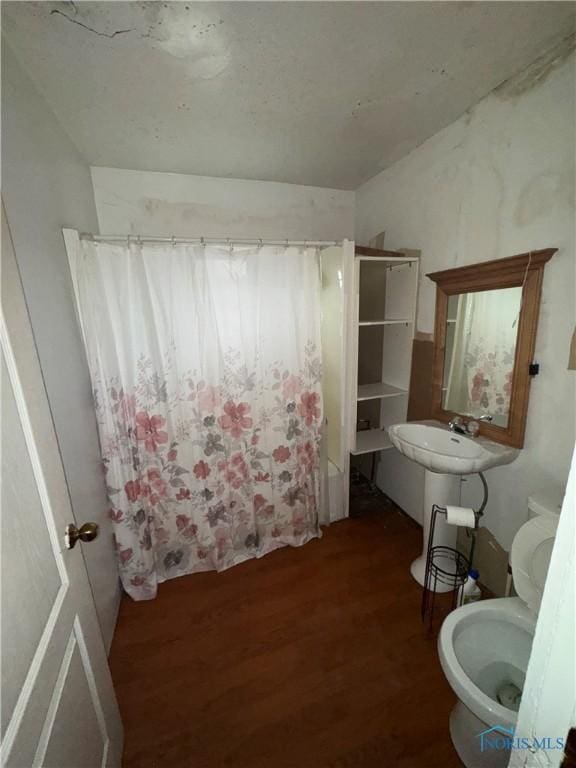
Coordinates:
445 567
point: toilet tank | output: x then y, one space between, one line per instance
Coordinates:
545 503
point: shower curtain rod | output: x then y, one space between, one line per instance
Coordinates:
202 240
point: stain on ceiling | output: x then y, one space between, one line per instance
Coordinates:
319 93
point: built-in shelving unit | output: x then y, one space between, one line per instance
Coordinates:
381 335
378 390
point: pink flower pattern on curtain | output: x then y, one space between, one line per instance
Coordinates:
204 471
489 378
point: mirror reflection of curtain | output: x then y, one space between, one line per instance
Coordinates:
480 376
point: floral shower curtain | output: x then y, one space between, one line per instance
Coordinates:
206 368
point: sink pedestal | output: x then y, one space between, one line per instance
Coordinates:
445 455
442 490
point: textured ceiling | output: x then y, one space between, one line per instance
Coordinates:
318 93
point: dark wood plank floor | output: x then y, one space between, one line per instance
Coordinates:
308 657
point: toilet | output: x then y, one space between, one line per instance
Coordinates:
484 647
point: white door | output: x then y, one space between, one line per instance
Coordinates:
58 704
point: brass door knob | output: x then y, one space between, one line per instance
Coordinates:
86 532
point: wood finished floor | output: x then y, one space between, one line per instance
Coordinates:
306 658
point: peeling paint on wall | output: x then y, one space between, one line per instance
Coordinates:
137 202
542 194
539 70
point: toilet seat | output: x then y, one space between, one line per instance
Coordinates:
530 558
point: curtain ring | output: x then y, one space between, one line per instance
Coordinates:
260 243
173 241
139 241
202 242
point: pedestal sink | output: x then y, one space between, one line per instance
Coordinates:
446 456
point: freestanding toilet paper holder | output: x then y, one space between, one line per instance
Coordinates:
446 571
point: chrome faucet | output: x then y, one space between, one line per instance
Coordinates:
468 426
457 425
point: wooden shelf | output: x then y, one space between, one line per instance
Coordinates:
370 440
378 391
385 322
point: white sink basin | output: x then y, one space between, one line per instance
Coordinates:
432 445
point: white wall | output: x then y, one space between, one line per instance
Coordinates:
548 706
497 182
46 186
164 204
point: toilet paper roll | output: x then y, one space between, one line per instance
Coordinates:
463 516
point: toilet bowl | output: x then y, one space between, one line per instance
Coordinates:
484 648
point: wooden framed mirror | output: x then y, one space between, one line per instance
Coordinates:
484 337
